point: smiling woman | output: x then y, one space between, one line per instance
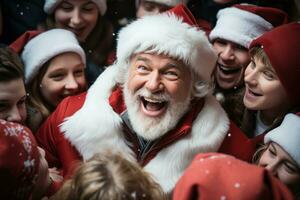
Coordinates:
52 72
85 19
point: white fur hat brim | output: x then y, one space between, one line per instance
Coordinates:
45 46
50 5
239 26
167 34
287 135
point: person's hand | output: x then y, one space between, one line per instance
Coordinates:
55 175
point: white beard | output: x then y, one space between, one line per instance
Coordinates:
151 128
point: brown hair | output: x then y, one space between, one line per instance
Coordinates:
109 176
35 99
260 54
11 67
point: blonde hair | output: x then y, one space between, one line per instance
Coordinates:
109 176
258 153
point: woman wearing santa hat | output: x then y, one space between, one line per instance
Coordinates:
280 154
85 19
271 78
54 66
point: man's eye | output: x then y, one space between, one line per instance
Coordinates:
142 68
171 75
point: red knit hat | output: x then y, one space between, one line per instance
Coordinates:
220 176
19 161
282 46
242 23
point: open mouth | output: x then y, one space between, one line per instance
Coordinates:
153 107
251 92
229 70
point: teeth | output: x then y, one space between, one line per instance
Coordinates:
153 100
228 68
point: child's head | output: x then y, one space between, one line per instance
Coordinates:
109 176
152 7
80 17
23 171
282 154
272 77
221 176
12 89
54 68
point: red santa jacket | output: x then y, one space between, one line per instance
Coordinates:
90 123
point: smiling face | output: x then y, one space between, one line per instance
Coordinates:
12 101
281 165
232 61
157 93
64 77
78 16
264 90
150 8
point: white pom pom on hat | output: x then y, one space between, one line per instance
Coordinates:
287 135
45 46
50 5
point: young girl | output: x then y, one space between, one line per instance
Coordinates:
109 176
271 78
12 88
23 169
54 68
281 154
85 19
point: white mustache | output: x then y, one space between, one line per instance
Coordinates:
162 96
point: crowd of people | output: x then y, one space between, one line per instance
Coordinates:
174 104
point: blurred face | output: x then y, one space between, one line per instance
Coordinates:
281 165
12 101
232 61
78 16
43 179
64 77
157 93
150 8
264 90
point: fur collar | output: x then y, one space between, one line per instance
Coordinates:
96 127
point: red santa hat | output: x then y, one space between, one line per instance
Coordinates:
174 33
287 135
50 5
242 23
19 161
170 3
283 50
220 176
45 46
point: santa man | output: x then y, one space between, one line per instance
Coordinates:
154 105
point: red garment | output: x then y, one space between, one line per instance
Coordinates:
219 176
60 153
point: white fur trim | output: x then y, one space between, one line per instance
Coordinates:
167 34
170 3
287 135
208 133
96 127
239 26
45 46
50 5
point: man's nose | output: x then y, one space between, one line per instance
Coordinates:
154 83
